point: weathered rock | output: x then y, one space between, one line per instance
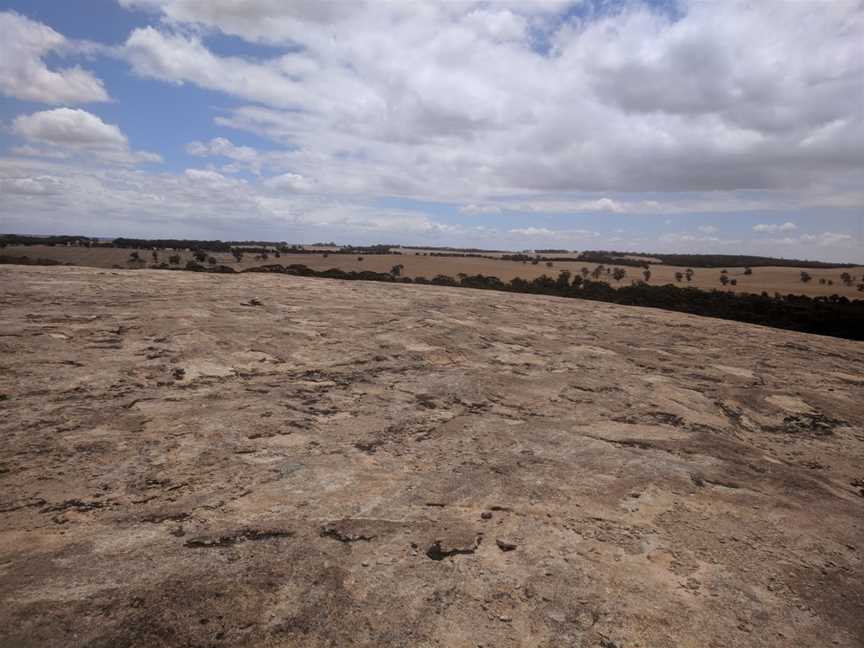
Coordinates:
128 518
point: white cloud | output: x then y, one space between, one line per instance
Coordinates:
78 131
827 239
505 107
457 102
785 241
821 240
680 237
244 158
289 182
547 234
35 151
200 203
477 210
69 127
708 229
43 185
532 231
24 44
773 228
219 146
178 59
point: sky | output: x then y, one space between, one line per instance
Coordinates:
664 125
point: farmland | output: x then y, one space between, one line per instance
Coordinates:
420 263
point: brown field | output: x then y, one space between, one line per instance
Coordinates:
769 279
367 464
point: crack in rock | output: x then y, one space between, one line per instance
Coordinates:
345 535
238 536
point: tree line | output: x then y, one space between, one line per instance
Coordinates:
705 260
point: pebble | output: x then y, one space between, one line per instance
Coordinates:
505 545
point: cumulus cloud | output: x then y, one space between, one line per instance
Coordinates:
523 109
462 99
772 228
199 203
24 44
708 229
78 131
219 146
177 59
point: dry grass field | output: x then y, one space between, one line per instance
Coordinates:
258 461
769 279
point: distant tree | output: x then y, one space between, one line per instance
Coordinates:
237 253
549 264
277 254
597 271
135 260
618 274
861 287
724 272
211 260
155 256
200 256
847 279
585 271
805 277
734 282
535 261
830 282
647 275
563 281
359 258
679 277
174 259
748 271
396 270
724 279
822 281
326 254
689 274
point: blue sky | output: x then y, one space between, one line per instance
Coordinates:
666 126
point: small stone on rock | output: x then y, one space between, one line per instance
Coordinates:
505 545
